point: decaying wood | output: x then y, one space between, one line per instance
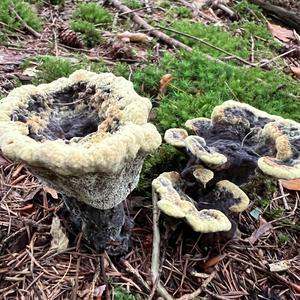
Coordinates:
290 18
141 22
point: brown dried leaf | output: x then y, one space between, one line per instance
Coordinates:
292 184
281 33
260 231
60 240
296 71
136 37
164 83
213 261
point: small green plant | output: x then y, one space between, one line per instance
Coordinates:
86 18
133 4
164 4
58 2
51 68
274 214
181 12
23 9
283 238
122 294
89 33
93 13
248 11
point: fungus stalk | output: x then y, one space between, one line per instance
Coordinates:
86 136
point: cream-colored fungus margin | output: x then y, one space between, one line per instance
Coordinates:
106 155
174 203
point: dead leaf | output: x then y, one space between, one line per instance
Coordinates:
60 240
263 229
280 266
136 37
99 290
296 71
281 33
213 261
31 72
292 184
50 191
164 83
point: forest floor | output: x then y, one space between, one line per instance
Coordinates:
183 74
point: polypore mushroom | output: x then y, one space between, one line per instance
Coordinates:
175 203
87 136
239 138
224 152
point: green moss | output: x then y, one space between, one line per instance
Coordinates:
58 2
248 11
180 12
199 85
260 189
283 238
133 4
273 214
51 68
164 4
93 13
26 12
89 33
86 18
212 34
153 166
122 294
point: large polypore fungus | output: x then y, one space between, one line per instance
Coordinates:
87 136
224 152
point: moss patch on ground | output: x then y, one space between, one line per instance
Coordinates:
24 9
86 19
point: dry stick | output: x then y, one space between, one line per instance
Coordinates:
208 44
136 273
200 289
155 250
276 57
140 21
25 25
197 11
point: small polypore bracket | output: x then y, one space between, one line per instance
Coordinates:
175 203
241 136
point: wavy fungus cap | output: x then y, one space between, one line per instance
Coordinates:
175 203
239 136
85 123
90 125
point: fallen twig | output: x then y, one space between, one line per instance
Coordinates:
155 251
140 21
25 25
137 275
196 10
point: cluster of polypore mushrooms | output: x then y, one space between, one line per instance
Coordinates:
88 135
225 151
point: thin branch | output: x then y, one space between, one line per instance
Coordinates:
25 25
140 21
207 44
155 251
